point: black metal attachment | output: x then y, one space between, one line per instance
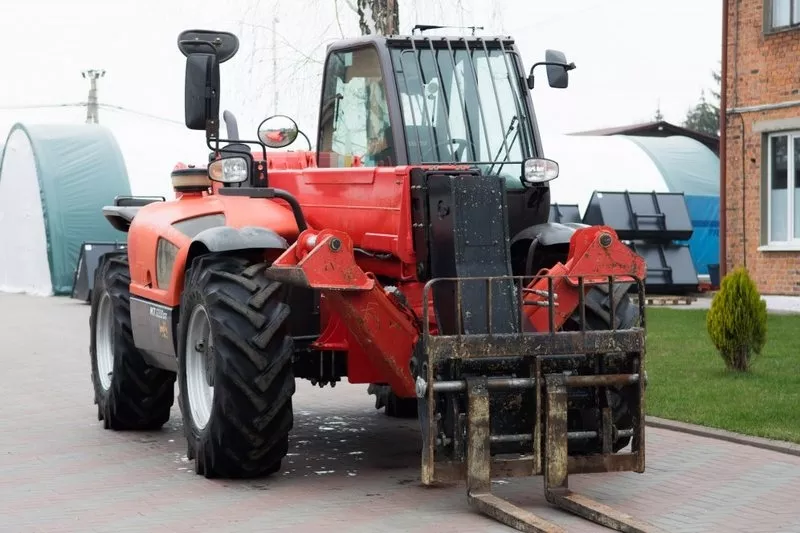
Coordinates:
545 373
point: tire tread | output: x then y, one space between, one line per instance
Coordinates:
140 396
248 433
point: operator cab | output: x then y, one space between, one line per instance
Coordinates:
418 100
391 101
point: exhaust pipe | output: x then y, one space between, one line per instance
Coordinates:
231 125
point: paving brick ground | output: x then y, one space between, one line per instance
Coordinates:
351 469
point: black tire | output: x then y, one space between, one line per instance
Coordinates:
247 433
393 406
397 407
598 318
139 396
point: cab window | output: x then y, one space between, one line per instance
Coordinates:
354 115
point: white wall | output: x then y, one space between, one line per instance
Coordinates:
23 243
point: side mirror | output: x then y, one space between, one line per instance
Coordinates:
278 131
201 96
222 44
205 50
557 69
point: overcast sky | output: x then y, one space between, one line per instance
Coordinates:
631 55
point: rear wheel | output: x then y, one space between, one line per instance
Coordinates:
398 407
235 368
129 393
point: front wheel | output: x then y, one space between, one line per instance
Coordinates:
620 400
235 368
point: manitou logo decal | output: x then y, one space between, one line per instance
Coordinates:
158 313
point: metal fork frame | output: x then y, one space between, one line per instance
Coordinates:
549 434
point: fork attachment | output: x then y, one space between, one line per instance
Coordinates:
549 396
555 461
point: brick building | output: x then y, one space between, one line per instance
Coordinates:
761 141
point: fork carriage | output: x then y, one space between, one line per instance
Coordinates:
468 417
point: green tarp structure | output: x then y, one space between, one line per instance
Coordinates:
54 181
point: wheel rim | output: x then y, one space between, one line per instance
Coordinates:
199 367
104 342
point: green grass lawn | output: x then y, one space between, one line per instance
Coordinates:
688 381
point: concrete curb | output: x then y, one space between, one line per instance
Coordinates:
788 448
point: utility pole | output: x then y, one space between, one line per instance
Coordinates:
91 108
275 65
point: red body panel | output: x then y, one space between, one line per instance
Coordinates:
369 204
155 221
385 331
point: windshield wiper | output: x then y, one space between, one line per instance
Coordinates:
332 101
508 146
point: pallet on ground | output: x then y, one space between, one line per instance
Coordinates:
666 300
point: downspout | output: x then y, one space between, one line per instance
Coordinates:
723 125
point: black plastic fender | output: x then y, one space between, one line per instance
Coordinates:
226 239
551 245
120 217
548 233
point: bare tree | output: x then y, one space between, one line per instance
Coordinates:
380 17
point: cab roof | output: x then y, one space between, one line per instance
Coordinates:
422 41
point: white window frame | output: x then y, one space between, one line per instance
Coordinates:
793 241
794 16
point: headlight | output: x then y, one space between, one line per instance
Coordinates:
229 170
539 171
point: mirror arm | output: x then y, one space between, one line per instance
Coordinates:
217 142
264 153
212 131
567 67
300 132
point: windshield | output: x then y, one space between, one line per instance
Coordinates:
464 106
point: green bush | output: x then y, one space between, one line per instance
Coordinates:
737 320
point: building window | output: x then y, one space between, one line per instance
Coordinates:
781 14
783 183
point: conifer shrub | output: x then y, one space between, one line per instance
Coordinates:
737 320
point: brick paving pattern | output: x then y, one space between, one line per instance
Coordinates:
351 468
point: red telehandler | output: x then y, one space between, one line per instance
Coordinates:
410 251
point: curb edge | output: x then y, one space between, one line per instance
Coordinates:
788 448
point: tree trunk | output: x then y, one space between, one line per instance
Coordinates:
743 360
380 17
738 359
